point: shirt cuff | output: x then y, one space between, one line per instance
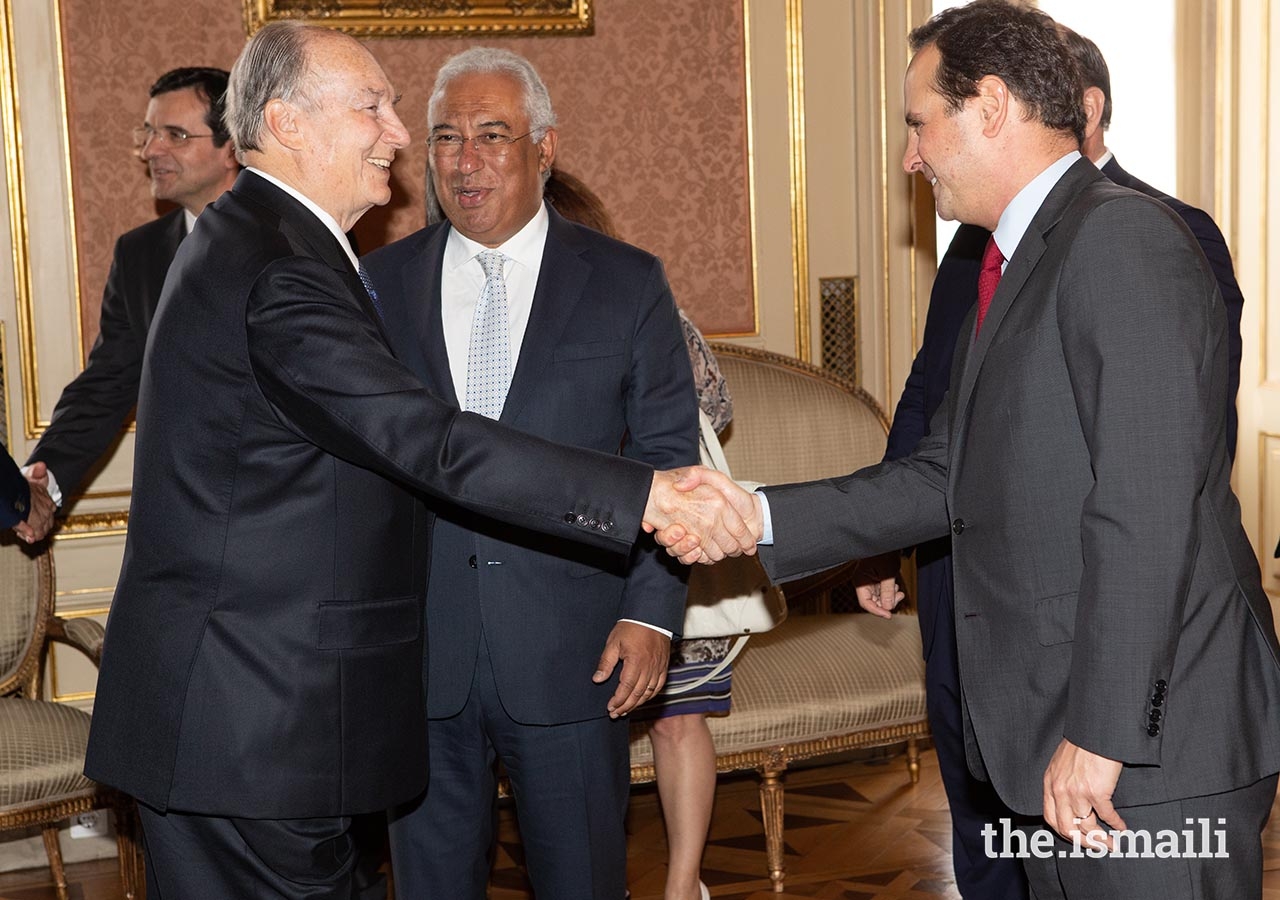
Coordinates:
647 625
55 492
768 519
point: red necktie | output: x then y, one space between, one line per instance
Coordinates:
988 278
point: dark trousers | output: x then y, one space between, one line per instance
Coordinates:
570 782
974 803
1235 820
194 857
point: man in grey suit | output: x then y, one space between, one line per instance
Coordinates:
1117 655
535 648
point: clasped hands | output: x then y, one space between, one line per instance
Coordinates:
41 510
701 515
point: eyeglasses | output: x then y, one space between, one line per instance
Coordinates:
489 144
166 134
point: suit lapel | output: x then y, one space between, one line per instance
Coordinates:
303 225
1020 268
561 281
421 286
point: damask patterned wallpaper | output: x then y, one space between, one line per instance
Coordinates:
652 110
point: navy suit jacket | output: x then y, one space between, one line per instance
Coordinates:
603 365
15 494
95 405
263 654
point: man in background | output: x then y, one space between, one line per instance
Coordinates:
523 633
974 803
191 162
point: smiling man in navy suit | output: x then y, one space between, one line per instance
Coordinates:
535 648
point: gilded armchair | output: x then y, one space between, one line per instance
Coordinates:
42 743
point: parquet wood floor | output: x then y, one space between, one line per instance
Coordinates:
854 831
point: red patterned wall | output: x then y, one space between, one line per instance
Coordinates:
652 106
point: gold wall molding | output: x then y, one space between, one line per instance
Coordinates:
86 525
449 18
798 177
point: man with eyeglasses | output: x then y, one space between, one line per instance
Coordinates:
536 648
191 162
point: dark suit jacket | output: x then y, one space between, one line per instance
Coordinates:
96 403
955 288
15 493
1105 590
603 365
263 655
1214 246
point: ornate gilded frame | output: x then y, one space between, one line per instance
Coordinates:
374 18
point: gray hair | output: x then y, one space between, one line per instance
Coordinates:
537 102
273 65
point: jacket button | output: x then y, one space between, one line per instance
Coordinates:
1154 715
957 527
582 520
1157 700
472 562
569 518
1153 729
1162 685
606 526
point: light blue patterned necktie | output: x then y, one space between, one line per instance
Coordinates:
489 359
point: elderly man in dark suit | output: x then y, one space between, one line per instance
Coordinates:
974 805
261 676
191 162
523 633
1110 619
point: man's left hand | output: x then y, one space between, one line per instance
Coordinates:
644 654
1077 794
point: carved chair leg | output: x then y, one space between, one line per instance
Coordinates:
128 848
771 812
913 759
53 850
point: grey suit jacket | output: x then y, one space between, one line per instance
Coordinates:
603 365
1105 589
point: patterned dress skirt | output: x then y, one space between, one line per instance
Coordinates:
691 660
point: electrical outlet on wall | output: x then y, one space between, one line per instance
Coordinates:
89 824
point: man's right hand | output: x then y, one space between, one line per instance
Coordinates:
876 583
701 515
41 510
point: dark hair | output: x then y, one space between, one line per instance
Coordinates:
1016 43
1093 68
577 202
210 85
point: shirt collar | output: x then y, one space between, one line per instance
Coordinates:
524 247
1105 158
1017 216
189 219
329 221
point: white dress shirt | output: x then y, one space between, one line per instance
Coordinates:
462 281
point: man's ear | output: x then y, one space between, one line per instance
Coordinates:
993 100
1094 101
281 119
547 150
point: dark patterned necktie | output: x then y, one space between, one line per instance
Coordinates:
368 286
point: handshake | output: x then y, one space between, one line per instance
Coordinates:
701 515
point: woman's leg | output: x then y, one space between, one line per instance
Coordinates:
684 761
